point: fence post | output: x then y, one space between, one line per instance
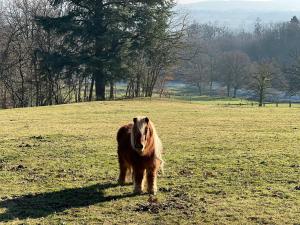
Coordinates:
276 104
290 104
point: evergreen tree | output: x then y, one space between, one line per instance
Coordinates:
96 32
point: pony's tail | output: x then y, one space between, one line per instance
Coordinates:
162 166
158 155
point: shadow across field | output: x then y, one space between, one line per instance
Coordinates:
44 204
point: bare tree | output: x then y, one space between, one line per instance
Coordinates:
233 69
155 60
198 69
29 78
261 79
292 74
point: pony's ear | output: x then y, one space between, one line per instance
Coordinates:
147 120
134 120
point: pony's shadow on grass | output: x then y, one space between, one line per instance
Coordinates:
44 204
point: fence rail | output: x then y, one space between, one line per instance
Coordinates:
223 100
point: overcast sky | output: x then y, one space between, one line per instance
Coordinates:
192 1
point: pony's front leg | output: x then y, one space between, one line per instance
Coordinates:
151 179
138 175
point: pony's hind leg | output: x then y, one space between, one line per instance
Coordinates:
129 175
123 172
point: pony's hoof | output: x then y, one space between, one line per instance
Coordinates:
121 183
137 191
152 192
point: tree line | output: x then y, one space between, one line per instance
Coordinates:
60 51
263 61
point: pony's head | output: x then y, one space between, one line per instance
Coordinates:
140 133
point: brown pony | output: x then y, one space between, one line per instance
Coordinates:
139 152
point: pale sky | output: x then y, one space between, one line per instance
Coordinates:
193 1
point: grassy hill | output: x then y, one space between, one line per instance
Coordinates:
224 165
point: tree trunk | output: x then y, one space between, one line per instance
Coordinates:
138 86
37 90
79 89
199 88
85 89
211 76
210 88
75 93
99 73
91 89
22 103
228 90
261 97
152 81
100 86
50 90
111 90
162 87
130 89
4 99
234 92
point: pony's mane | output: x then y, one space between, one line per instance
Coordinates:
157 142
157 146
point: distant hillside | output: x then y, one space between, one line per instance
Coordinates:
241 14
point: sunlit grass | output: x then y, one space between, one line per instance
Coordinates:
225 164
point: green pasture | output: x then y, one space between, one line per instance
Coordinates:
226 163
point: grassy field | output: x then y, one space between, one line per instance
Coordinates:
224 165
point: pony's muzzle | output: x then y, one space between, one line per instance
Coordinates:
139 147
